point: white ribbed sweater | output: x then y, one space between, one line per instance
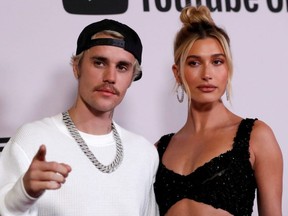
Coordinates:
128 191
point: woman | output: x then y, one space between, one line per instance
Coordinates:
216 161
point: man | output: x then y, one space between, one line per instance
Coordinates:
81 162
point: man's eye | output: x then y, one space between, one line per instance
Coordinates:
122 68
98 63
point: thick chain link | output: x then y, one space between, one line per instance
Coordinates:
76 135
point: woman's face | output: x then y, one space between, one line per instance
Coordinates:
206 71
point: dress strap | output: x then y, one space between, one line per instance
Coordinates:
242 138
163 143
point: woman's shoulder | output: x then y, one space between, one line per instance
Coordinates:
263 140
262 131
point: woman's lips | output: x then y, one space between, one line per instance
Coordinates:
207 88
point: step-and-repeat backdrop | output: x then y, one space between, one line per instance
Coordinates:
38 38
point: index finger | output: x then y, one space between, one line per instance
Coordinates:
41 153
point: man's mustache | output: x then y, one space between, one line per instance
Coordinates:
107 87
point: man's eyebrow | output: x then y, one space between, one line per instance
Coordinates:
101 58
123 62
106 60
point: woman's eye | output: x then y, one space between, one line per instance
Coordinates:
194 63
218 62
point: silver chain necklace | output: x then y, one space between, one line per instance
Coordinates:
76 135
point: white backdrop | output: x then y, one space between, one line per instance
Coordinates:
38 38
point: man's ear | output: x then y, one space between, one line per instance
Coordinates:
176 73
76 70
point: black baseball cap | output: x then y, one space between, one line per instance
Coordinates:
131 41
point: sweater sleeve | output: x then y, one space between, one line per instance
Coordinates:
153 209
13 198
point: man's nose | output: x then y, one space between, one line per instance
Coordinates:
109 75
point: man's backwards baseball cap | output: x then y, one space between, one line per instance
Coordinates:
130 43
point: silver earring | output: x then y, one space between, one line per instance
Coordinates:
180 93
227 95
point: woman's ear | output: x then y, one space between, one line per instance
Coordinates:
176 73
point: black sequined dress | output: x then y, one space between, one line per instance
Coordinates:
226 182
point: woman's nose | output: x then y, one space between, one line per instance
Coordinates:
206 73
206 77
